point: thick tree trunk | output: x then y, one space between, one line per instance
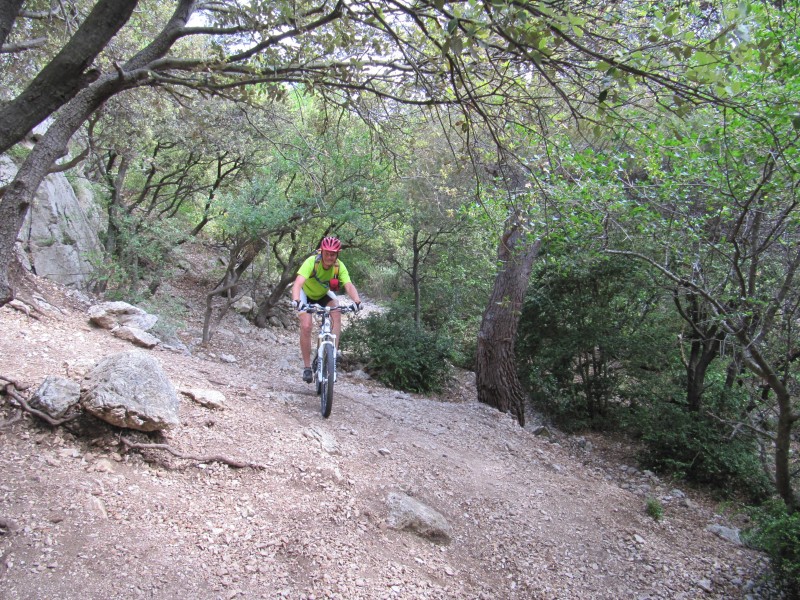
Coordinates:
783 450
288 276
266 308
64 76
496 371
787 418
19 194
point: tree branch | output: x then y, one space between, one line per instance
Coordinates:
22 46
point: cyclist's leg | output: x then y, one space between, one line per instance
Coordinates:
305 333
336 317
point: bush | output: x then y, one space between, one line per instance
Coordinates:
654 509
398 353
699 449
777 533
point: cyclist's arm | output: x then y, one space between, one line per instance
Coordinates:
297 287
352 292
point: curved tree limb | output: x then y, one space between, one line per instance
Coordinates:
66 74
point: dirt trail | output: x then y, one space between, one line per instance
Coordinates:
531 517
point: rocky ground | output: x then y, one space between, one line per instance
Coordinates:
531 516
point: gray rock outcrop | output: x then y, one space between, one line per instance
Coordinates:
131 390
59 236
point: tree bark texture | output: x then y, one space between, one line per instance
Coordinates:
64 76
496 371
8 14
705 341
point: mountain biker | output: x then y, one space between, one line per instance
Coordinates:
318 280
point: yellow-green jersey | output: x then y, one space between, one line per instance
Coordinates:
318 280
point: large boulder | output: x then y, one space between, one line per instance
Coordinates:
59 236
131 390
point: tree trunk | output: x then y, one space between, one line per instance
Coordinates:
241 257
288 276
64 76
787 418
496 371
415 280
20 192
702 354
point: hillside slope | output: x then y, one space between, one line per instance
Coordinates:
530 517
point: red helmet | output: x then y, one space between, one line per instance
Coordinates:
330 243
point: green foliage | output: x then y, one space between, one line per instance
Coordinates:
777 532
18 153
143 254
699 449
172 316
589 335
654 509
398 352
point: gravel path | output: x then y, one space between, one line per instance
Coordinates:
531 516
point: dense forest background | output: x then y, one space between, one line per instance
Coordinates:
594 205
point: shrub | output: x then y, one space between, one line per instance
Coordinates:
398 353
654 509
777 533
699 449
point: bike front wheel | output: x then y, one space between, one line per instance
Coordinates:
328 377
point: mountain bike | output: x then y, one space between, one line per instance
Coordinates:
324 364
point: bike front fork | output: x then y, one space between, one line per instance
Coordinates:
316 365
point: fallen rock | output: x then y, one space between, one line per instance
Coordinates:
244 305
207 398
408 514
109 315
726 533
56 396
137 336
130 389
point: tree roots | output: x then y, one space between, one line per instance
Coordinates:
238 464
12 388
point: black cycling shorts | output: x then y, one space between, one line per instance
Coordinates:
323 302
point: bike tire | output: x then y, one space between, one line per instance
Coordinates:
317 378
328 376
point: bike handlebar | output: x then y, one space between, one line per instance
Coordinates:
316 309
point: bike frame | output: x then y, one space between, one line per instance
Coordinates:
325 338
324 365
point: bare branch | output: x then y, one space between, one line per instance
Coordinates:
74 161
22 46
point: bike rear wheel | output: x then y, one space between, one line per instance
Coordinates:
326 387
